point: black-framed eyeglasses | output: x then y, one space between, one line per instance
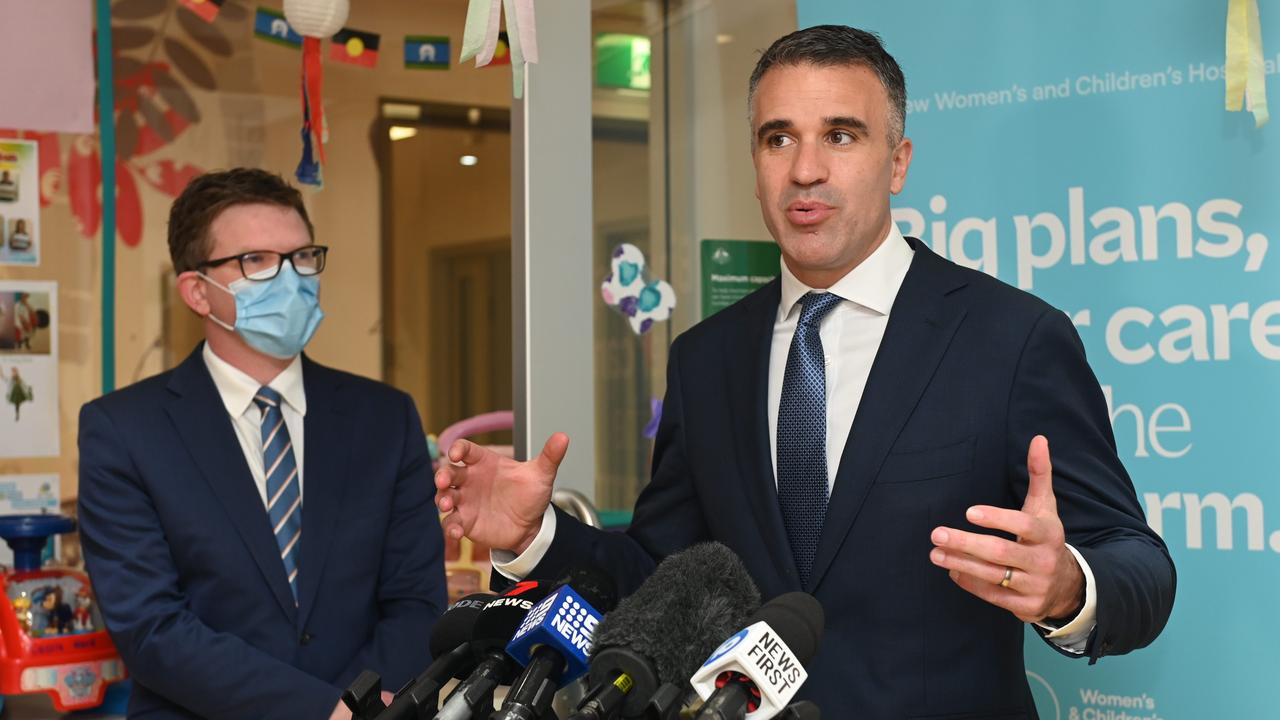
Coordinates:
266 264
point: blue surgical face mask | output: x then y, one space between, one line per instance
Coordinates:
276 317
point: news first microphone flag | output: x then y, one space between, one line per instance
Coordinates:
775 670
1082 151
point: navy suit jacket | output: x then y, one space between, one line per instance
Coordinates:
188 574
968 372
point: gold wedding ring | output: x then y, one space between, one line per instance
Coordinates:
1008 575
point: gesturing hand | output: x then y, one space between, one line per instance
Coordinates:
494 500
1034 577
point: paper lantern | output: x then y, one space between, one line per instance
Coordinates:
317 18
314 20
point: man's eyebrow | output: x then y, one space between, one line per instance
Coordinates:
771 126
847 121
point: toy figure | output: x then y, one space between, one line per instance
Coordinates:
8 186
22 610
82 616
26 320
20 239
19 392
58 612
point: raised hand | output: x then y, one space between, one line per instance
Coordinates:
1035 577
494 500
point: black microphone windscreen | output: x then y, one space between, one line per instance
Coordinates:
502 616
797 618
457 623
693 601
803 710
593 585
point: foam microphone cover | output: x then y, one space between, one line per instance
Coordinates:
458 623
693 601
798 619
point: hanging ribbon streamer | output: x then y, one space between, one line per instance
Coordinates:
1246 73
480 36
528 28
308 172
517 50
314 20
313 79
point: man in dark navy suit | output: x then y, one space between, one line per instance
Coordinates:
258 528
873 428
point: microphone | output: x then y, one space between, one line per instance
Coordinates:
756 672
803 710
494 626
451 649
554 641
647 648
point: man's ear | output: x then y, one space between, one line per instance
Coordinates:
194 292
901 163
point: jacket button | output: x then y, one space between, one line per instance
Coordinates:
305 639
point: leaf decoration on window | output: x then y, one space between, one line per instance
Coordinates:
138 9
153 116
131 37
206 34
176 96
126 136
190 64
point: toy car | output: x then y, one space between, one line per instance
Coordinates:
52 639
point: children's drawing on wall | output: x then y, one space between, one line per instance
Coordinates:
19 203
29 369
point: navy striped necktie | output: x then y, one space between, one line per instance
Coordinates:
802 434
284 495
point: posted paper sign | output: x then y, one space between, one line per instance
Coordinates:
19 203
29 369
733 269
50 40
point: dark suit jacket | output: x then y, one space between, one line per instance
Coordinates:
188 574
968 372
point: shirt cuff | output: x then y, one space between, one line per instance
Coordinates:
518 567
1074 636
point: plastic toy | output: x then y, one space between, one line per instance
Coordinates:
47 645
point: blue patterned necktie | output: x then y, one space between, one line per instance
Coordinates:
802 434
284 497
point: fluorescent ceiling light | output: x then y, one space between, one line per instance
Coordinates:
400 132
401 111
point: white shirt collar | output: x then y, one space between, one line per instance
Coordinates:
237 389
873 283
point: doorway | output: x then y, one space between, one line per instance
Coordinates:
446 305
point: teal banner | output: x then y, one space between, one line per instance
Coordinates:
1081 151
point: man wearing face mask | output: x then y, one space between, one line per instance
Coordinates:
258 528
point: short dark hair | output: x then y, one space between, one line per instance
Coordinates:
836 45
206 196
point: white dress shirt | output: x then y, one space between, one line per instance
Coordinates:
237 390
851 334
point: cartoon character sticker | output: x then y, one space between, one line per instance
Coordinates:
82 616
628 290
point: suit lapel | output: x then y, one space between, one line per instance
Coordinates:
747 360
921 325
325 470
198 413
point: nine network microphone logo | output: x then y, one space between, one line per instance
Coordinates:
575 623
535 616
